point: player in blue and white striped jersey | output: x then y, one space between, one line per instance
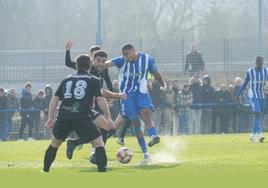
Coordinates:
134 68
256 78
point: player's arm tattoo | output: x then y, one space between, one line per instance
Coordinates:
159 78
52 107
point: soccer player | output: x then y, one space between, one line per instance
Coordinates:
76 114
98 57
256 78
133 68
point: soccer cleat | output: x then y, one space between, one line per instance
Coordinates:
146 161
121 141
261 139
92 159
70 149
155 140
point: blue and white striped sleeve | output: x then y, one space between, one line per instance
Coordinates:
152 66
118 61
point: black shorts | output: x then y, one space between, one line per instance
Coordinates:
83 127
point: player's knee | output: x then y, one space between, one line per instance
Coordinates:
98 142
56 142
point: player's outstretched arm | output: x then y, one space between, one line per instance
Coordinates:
108 64
51 112
112 95
159 78
68 60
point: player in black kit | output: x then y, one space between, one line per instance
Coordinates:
76 113
98 57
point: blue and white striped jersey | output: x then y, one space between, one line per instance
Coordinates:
256 78
133 75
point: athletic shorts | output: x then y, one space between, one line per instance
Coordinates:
135 102
82 125
257 104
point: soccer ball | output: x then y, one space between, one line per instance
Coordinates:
124 155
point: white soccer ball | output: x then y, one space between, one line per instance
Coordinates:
124 155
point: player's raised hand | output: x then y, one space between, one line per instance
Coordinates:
69 45
50 123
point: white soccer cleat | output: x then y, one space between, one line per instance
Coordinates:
146 161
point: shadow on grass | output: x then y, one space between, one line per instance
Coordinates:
132 168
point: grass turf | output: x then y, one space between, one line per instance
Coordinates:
192 161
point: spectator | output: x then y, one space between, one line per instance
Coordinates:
26 102
242 110
39 104
48 96
194 61
157 98
13 106
223 97
208 98
3 115
183 101
195 109
169 109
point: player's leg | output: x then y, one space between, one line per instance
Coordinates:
129 111
256 128
101 158
51 153
145 107
141 140
99 121
89 131
122 132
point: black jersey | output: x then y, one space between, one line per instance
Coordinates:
77 94
103 75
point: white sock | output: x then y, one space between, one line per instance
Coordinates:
146 154
260 135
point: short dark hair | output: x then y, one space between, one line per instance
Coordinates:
259 58
127 46
100 53
94 48
83 62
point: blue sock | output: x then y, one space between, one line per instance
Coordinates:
152 131
141 139
257 124
142 144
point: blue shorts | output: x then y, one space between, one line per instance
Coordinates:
257 105
131 107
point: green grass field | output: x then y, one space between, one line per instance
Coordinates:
215 160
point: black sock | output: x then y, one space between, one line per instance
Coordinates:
50 156
101 159
104 135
